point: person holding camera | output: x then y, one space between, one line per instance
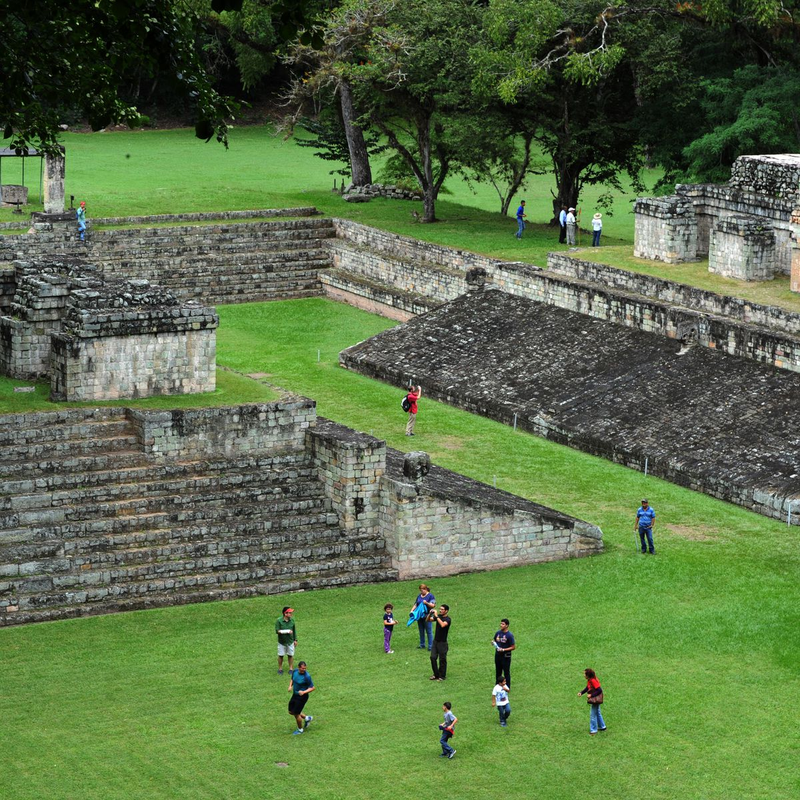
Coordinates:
439 649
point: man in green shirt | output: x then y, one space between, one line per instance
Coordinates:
287 638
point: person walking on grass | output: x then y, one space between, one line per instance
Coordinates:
448 729
440 645
572 225
597 229
645 522
425 600
388 626
504 645
500 701
595 700
287 638
414 395
301 687
521 219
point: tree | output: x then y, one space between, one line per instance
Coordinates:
76 57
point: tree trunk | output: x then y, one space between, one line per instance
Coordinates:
568 183
428 189
361 174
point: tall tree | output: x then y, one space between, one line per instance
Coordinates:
72 57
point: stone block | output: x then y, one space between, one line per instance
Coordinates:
742 247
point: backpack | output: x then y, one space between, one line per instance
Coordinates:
405 404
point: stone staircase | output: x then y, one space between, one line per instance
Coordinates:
90 524
231 262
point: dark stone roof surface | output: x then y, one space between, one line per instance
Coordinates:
612 389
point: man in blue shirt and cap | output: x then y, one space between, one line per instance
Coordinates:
645 522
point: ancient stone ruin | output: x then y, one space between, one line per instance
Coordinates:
103 340
746 228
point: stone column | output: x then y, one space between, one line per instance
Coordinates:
742 247
54 167
795 277
666 229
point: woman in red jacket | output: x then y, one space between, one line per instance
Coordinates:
595 700
414 394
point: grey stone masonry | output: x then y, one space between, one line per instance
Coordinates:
795 272
742 247
714 423
773 175
224 432
665 229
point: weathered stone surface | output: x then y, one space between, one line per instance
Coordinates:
742 247
774 175
666 229
717 424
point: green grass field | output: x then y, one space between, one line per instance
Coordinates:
697 648
162 172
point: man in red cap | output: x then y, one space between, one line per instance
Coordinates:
287 638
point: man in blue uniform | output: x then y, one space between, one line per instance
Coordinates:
645 522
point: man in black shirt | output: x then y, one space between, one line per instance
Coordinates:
439 648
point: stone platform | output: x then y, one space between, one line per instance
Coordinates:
702 419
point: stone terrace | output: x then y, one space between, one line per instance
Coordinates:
712 422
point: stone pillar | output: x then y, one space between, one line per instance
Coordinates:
350 465
666 229
795 276
54 167
742 247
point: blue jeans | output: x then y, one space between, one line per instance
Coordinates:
424 626
646 532
446 749
505 712
596 238
521 223
596 719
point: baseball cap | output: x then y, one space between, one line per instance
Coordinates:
644 499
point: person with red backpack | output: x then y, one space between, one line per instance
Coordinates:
414 394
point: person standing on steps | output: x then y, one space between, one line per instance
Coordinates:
301 687
414 394
645 522
504 645
520 219
572 225
287 638
81 215
440 646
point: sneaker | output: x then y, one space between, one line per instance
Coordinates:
433 678
297 732
452 754
442 755
280 672
503 724
603 729
307 720
389 652
421 647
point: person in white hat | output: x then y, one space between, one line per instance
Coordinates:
597 227
572 224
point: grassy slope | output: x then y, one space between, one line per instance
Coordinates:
127 173
696 648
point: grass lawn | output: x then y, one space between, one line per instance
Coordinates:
697 648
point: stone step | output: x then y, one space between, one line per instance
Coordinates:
68 416
47 451
16 558
69 464
118 565
216 252
269 497
152 486
98 472
11 438
194 594
201 267
157 520
267 293
42 592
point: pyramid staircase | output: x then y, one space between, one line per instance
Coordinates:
89 524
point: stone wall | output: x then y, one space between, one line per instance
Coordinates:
772 175
227 432
666 229
712 202
445 523
742 248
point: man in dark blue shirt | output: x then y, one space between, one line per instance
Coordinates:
504 645
645 522
520 219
